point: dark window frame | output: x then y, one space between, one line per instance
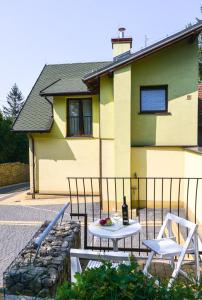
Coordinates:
154 87
81 124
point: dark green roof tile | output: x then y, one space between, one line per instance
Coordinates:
36 114
66 86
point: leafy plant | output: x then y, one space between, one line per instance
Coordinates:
127 282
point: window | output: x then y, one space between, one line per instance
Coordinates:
153 99
79 117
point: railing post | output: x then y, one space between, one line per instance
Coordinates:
155 195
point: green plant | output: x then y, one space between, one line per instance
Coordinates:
127 282
13 146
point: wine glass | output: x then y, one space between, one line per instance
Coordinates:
115 215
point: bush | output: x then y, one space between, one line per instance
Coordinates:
123 283
13 146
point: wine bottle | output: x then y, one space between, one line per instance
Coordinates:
125 212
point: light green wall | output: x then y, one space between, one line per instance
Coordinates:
122 122
106 107
107 125
177 67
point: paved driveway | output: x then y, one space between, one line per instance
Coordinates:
18 223
6 192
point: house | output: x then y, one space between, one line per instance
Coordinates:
134 115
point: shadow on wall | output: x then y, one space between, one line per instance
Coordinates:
56 149
146 129
50 150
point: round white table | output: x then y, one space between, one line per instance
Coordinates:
114 234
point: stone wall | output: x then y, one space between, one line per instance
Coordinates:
39 277
11 173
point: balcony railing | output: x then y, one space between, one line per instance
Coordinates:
149 200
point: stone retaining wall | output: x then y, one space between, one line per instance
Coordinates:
39 278
11 173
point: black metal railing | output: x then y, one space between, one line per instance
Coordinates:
149 200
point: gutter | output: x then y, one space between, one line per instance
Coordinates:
196 29
33 166
68 93
33 131
100 154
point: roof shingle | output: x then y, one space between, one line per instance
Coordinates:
36 114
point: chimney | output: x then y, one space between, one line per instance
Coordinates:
121 44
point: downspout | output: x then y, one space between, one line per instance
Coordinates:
100 154
33 167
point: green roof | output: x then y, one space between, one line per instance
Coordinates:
66 86
36 114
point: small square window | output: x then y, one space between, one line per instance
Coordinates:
153 99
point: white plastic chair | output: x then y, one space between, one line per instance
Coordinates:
95 259
168 247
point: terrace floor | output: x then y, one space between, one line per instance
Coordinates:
22 218
151 221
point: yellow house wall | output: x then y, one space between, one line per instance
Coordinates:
58 156
193 164
122 132
119 48
108 163
122 121
107 125
59 128
58 159
30 164
177 67
106 108
157 162
193 168
123 126
168 162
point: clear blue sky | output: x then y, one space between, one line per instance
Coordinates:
38 32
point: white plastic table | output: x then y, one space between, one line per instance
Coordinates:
116 235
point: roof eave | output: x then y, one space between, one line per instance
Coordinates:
36 130
32 131
68 93
161 45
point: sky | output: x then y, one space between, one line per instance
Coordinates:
38 32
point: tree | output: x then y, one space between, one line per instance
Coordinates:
13 146
14 102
